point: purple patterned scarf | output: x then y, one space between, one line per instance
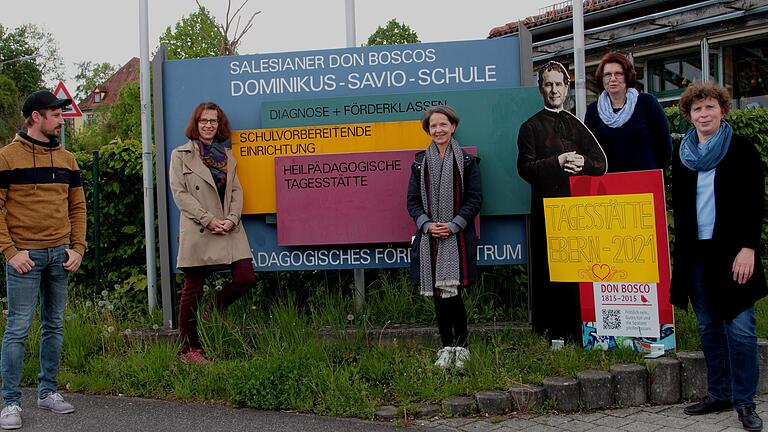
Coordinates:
214 156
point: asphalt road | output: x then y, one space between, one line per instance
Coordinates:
113 413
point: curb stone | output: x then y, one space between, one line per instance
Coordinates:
596 389
494 402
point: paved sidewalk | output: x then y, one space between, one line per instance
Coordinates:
666 418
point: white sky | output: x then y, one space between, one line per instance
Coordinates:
108 30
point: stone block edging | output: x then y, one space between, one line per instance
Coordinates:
661 381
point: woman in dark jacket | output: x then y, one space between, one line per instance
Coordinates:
444 197
718 203
631 126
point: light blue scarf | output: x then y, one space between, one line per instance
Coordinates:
616 119
705 156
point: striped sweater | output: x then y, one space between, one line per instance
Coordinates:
42 203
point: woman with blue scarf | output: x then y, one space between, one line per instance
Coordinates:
203 177
718 203
629 125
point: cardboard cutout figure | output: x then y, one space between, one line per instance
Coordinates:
554 145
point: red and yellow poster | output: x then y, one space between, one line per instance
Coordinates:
611 237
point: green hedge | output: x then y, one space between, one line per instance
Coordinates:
121 223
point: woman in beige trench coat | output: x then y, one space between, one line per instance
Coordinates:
203 177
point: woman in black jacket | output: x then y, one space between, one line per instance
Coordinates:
718 203
444 197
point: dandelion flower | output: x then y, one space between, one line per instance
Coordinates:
155 326
110 329
88 304
102 303
110 307
350 317
105 293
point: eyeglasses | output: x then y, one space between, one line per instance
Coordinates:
211 122
608 75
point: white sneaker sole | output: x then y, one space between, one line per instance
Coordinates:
57 411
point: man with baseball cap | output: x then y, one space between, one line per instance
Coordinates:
38 177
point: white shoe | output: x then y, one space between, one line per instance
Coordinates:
10 418
461 356
444 357
56 403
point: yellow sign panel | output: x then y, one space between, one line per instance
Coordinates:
608 238
255 151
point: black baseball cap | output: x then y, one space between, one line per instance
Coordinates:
42 99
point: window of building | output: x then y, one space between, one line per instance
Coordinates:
746 67
669 76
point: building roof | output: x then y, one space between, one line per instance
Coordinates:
556 20
111 87
557 12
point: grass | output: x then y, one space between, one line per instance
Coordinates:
276 360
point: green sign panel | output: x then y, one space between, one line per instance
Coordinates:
490 120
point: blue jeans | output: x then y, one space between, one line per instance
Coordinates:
725 343
48 280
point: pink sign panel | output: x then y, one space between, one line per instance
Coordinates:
344 198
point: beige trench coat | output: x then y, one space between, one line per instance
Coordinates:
198 201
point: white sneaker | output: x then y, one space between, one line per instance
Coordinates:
444 357
10 418
56 403
461 356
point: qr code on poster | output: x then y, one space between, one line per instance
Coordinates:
611 319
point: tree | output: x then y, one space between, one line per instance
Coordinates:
230 43
118 121
10 109
25 74
89 75
29 40
193 36
199 35
394 33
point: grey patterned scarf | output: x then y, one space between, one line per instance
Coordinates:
438 201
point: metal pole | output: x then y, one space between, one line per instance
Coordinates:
350 9
704 60
167 279
359 273
63 135
146 153
96 227
578 59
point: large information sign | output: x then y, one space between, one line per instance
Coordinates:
356 101
256 150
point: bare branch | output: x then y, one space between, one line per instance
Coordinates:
229 45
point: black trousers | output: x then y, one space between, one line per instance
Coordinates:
451 320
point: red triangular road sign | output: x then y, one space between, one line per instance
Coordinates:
72 110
